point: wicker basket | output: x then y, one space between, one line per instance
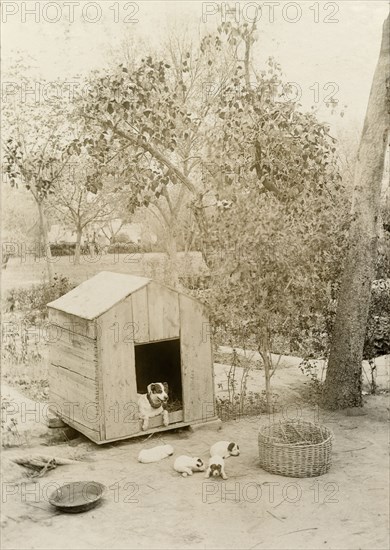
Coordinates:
308 456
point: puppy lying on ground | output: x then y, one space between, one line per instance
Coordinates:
225 449
216 467
185 465
155 454
153 403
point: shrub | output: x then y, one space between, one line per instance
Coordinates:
239 401
252 404
67 249
120 238
63 249
32 302
195 282
123 248
316 377
377 340
10 435
383 262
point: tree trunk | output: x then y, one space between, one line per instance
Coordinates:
78 245
343 382
268 389
265 353
45 239
201 221
171 247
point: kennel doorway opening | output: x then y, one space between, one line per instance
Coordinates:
160 362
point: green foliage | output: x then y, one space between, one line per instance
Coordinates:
252 404
32 302
263 140
383 262
377 341
62 249
35 169
316 340
35 144
141 112
316 378
237 400
275 270
19 348
120 238
123 248
275 227
25 337
10 435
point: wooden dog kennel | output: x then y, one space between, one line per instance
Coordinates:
113 335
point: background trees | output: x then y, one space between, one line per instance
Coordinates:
81 197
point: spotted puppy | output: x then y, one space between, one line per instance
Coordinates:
186 465
153 403
225 449
216 467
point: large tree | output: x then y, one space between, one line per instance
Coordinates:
343 385
274 226
151 118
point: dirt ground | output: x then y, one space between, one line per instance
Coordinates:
151 506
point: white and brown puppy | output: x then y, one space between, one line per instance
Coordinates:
153 403
216 467
225 449
186 465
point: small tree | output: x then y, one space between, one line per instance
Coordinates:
34 144
273 229
80 199
36 161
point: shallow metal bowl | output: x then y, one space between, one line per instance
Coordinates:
78 496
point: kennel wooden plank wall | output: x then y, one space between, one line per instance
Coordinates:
92 371
195 352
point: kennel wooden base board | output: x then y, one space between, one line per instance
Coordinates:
155 426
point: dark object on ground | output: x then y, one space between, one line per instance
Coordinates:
77 497
42 464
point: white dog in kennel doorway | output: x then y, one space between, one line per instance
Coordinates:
153 403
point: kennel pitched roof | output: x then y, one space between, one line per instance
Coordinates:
99 294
